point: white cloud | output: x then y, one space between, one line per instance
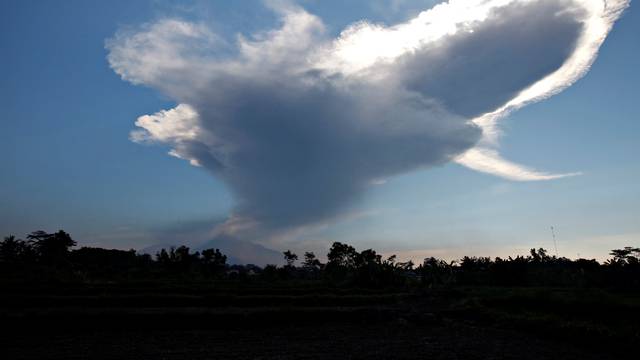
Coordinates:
486 159
161 48
167 126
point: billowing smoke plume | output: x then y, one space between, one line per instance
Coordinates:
300 125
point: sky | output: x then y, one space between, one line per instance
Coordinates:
133 123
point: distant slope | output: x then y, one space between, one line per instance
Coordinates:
243 252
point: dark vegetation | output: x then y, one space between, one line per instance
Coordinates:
50 257
56 298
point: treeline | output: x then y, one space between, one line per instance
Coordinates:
50 257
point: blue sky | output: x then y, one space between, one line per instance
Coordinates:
68 162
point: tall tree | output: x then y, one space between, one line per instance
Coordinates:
311 262
51 248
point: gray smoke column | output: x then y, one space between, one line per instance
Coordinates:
299 125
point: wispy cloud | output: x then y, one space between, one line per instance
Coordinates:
488 160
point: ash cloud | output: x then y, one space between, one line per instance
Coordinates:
299 125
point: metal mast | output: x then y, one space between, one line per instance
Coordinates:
555 244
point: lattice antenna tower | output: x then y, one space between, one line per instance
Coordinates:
555 243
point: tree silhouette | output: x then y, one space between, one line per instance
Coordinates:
369 257
214 260
51 248
290 258
540 256
627 256
342 255
10 249
311 262
436 272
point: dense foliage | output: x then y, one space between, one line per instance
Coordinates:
50 257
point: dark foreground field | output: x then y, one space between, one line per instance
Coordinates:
103 322
449 340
